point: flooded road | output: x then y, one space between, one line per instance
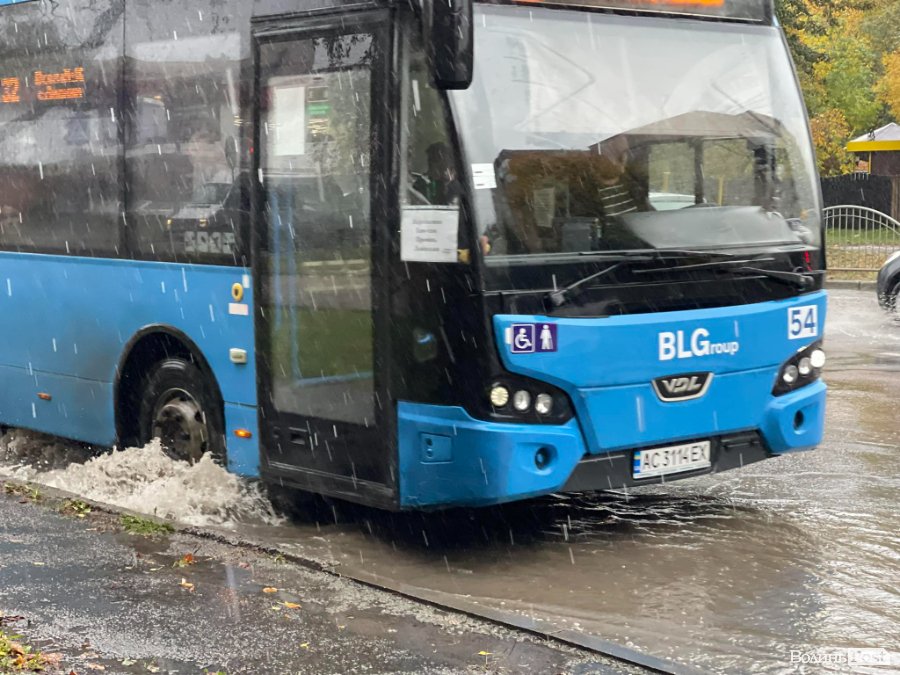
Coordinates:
729 573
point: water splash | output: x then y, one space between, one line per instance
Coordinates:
140 479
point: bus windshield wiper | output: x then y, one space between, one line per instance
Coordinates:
799 280
561 296
746 267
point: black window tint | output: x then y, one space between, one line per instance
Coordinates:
188 187
60 178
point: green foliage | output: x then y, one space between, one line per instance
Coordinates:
75 507
849 76
844 52
25 491
145 527
16 657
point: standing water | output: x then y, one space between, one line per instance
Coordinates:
139 479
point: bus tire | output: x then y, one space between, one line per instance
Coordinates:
179 406
893 297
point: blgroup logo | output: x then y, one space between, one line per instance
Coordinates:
677 345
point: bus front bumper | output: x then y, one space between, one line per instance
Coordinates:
448 458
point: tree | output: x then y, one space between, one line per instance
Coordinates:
889 85
830 132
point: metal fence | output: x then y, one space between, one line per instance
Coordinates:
859 239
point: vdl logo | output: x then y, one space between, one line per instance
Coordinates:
682 387
676 345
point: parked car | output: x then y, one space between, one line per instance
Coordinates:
889 283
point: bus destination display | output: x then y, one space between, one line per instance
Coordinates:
744 10
65 85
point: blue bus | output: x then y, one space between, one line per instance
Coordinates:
412 255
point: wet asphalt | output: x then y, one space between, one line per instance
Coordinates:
729 573
109 601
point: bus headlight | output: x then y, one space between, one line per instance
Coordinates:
516 399
801 369
521 400
790 374
543 404
499 396
817 358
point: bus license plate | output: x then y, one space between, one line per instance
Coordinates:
674 459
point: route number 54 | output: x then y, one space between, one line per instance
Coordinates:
803 322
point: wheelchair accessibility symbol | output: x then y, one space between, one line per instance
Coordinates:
528 338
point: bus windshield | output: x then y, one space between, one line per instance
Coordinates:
592 132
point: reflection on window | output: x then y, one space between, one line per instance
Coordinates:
315 157
188 195
596 132
431 166
60 181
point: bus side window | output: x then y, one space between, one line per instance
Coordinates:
431 175
185 142
60 180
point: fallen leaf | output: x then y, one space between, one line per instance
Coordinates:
94 666
244 565
484 653
153 669
185 560
128 662
39 564
270 589
187 584
291 605
304 645
277 608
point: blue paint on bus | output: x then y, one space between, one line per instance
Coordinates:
490 462
606 366
70 319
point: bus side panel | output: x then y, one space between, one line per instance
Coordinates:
70 319
74 404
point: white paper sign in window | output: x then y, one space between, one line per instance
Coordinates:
289 104
429 234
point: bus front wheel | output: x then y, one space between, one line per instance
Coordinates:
178 406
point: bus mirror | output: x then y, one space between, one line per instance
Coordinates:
452 48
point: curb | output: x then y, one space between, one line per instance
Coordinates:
852 285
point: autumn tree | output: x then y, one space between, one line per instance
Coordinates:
889 85
830 132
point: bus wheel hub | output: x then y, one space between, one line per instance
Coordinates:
180 426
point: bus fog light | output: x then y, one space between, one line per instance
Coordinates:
543 404
790 374
805 366
817 358
499 396
521 400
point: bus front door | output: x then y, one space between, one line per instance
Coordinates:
322 417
